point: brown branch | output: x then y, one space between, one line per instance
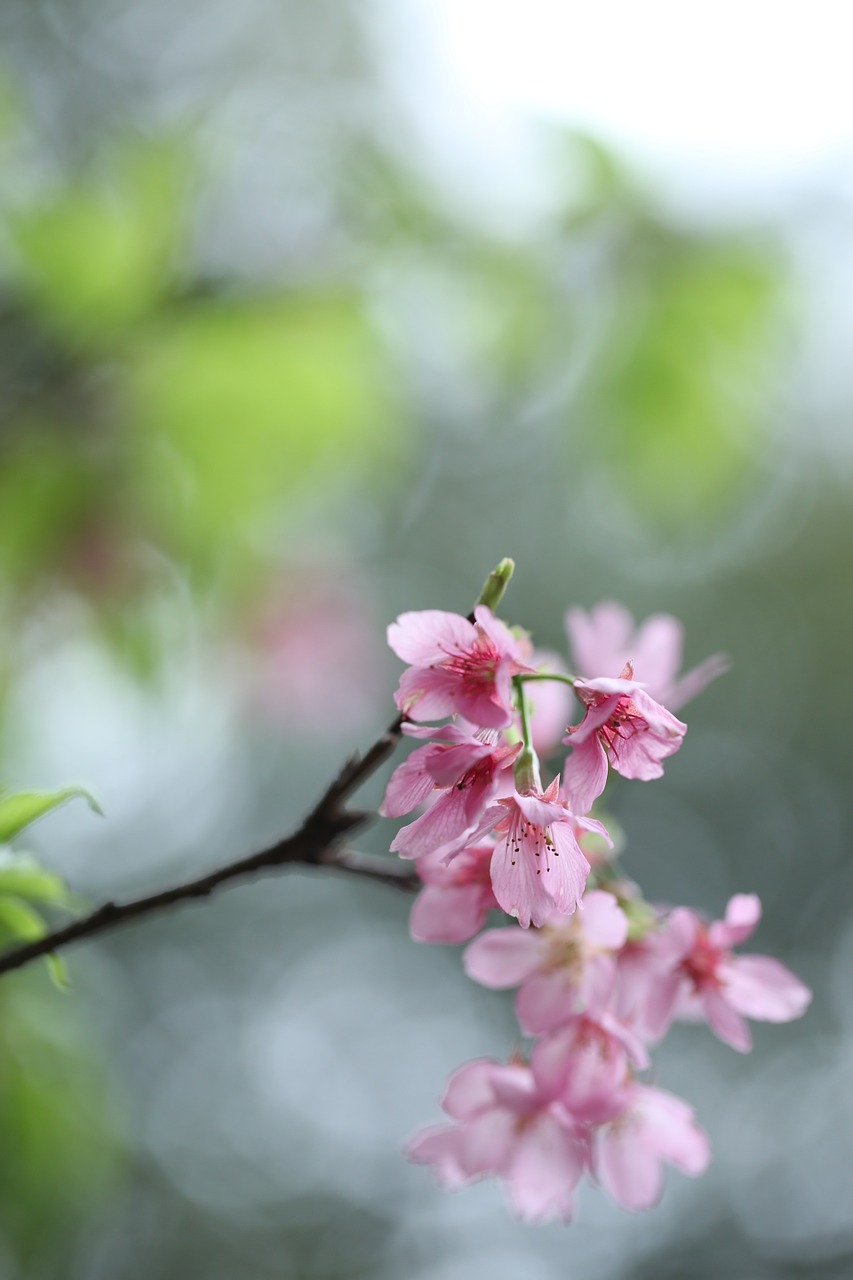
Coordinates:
315 844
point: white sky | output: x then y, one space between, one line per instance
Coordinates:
750 95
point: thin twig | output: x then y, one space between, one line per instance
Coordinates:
314 844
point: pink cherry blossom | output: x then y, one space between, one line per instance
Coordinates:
691 972
652 1127
467 769
538 866
456 667
622 726
605 639
457 895
565 967
508 1123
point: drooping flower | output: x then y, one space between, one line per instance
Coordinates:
652 1127
622 727
538 867
457 896
468 769
508 1123
690 972
565 967
456 667
606 638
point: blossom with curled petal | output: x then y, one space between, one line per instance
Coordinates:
456 667
459 775
624 728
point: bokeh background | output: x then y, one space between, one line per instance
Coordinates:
308 315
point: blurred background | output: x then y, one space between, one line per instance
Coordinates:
308 315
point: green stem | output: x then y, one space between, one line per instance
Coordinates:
549 675
526 769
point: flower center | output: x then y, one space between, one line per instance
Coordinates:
625 723
701 965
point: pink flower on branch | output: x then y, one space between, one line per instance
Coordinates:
622 727
566 967
467 769
509 1123
605 639
456 667
538 867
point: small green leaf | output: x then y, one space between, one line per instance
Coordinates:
18 811
23 877
20 921
58 971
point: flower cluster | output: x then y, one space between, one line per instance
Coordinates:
600 975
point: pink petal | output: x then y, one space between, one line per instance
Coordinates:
670 1125
604 922
519 890
640 756
408 786
427 636
426 695
502 958
597 983
546 1001
660 1006
448 913
446 825
743 913
681 691
469 1089
584 774
725 1022
656 653
486 1142
568 870
544 1169
551 1061
678 936
599 640
438 1145
628 1167
515 1088
488 707
762 988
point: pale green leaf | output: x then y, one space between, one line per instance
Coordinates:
19 810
